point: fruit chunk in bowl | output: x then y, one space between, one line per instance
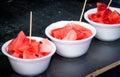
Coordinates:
71 42
71 31
29 59
105 20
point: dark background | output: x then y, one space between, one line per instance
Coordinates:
14 17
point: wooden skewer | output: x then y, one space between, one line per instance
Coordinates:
30 26
109 4
83 9
98 72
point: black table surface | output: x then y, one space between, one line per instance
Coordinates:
14 17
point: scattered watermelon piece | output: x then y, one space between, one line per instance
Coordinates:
71 31
21 48
105 15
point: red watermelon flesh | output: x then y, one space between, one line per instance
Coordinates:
17 42
73 32
60 33
20 47
105 15
101 6
45 46
114 17
71 35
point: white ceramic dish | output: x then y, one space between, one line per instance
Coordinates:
105 32
70 49
29 67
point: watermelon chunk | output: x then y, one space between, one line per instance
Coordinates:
16 43
45 46
60 33
70 35
101 6
96 17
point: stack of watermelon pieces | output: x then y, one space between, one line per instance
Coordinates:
105 15
20 47
71 31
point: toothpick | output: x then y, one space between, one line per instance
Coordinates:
83 9
109 4
30 26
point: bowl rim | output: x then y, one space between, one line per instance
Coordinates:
4 49
100 24
70 41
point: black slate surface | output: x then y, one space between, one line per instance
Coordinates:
14 17
115 72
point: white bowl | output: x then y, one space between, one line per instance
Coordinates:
29 67
70 49
105 32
